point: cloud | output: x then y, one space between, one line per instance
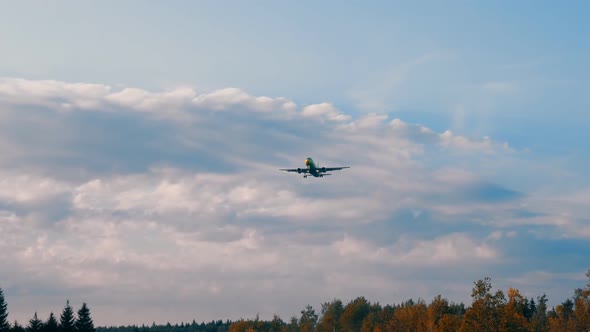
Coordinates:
125 196
83 96
448 250
26 188
325 110
222 99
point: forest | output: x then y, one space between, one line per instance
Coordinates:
489 311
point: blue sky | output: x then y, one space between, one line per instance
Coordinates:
139 144
423 59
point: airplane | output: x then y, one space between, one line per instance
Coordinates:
313 169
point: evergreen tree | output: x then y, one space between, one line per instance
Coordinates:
84 322
4 325
293 325
51 325
17 327
539 319
532 308
66 321
35 324
276 324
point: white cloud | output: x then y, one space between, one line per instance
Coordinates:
446 250
450 249
70 96
324 110
145 101
233 97
50 93
22 187
198 209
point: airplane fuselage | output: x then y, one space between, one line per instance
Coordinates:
312 168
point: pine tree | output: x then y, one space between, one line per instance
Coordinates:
35 324
4 325
51 325
539 319
17 327
67 319
84 322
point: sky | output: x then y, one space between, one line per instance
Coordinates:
140 144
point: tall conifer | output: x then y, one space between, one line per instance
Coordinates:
84 322
67 319
35 324
51 325
4 324
17 327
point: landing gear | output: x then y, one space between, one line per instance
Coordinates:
305 176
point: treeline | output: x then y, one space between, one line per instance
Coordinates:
489 311
213 326
67 321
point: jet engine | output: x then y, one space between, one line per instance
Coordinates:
323 169
299 170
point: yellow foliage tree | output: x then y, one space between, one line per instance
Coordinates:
486 311
448 323
582 307
513 317
410 317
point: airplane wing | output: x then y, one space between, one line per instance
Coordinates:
296 170
329 169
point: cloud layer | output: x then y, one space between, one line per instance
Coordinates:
137 201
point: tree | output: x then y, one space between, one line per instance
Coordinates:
448 323
514 312
308 319
560 317
354 313
539 319
293 325
331 312
371 322
486 309
17 327
239 326
276 324
582 306
35 324
67 319
84 322
4 325
410 316
437 308
51 325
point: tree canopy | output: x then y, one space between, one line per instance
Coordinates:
490 310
